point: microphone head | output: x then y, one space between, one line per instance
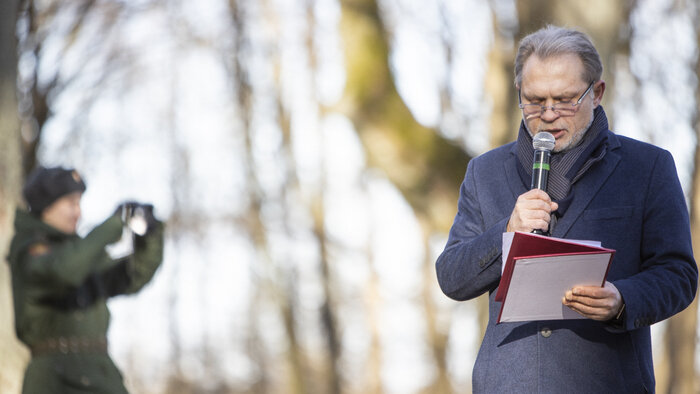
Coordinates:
543 141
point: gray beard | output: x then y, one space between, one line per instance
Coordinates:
575 139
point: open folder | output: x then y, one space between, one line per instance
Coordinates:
538 270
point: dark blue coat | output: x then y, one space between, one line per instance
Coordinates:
632 201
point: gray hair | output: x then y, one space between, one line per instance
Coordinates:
553 41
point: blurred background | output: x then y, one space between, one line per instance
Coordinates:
306 156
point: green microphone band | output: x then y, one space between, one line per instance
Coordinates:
537 166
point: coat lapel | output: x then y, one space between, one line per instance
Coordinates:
588 186
510 167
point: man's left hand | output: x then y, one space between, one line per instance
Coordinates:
593 302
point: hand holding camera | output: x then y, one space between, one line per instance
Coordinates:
137 217
138 222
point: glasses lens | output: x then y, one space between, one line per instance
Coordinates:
531 109
564 109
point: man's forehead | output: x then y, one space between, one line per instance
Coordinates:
559 74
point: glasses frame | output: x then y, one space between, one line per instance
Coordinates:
544 108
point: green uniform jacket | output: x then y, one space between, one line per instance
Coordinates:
61 284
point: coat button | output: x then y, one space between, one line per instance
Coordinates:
85 381
545 332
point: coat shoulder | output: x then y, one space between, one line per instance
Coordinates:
496 155
636 148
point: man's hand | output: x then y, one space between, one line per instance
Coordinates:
597 303
532 211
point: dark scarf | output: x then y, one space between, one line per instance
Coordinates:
565 167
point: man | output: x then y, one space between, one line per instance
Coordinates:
61 283
602 186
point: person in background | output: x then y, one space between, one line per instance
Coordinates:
61 283
602 186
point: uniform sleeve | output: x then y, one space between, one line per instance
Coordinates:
470 264
68 264
148 255
667 281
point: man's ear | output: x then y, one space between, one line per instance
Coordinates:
598 90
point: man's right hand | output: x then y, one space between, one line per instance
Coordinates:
532 211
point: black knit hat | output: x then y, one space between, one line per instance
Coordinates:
46 185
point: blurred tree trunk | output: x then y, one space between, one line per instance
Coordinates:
437 336
179 183
278 288
423 165
498 80
62 23
373 368
14 356
680 336
35 115
329 307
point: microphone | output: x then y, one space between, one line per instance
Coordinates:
543 143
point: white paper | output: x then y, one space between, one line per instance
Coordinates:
538 285
505 248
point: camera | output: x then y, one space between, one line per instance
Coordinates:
138 220
137 217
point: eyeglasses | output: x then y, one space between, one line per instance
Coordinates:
562 108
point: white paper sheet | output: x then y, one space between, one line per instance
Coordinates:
538 285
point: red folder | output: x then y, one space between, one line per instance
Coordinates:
533 247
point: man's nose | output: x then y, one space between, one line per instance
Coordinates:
549 115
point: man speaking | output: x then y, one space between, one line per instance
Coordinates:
601 186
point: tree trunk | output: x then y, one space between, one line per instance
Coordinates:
278 289
422 164
330 304
14 356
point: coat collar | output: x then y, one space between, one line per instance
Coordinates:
586 187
